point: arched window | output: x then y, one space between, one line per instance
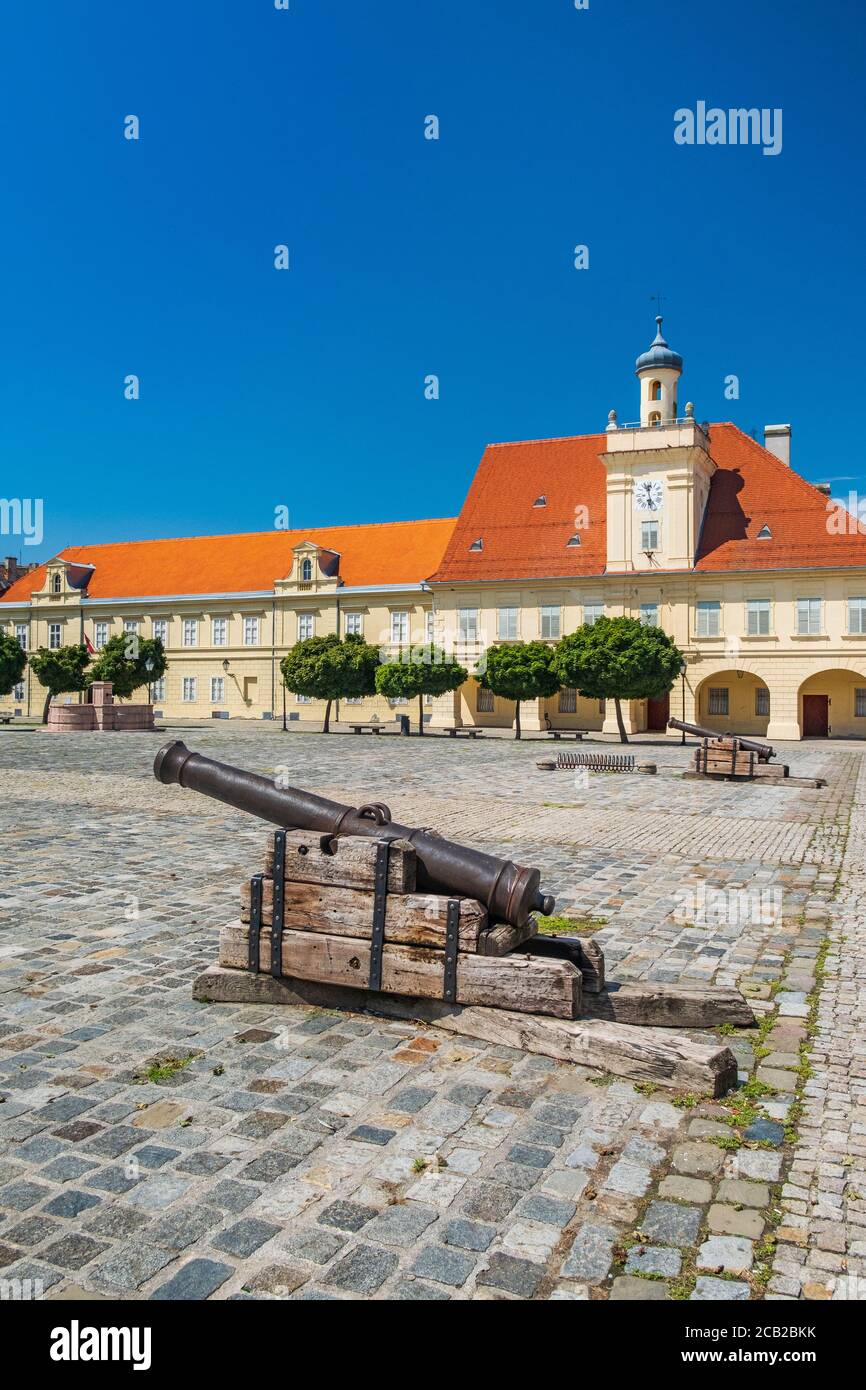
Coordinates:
56 584
306 570
655 391
655 419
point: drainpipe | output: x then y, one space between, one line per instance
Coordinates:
337 597
273 656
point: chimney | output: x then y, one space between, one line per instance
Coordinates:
825 488
777 439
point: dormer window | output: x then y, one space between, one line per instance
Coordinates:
540 501
477 545
56 584
765 534
306 570
573 540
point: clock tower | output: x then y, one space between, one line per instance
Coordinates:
658 473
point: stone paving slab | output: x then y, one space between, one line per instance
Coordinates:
154 1147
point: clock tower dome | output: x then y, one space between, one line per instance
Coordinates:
658 472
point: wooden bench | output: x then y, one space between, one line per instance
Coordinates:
366 728
5 718
465 733
567 733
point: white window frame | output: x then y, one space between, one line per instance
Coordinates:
18 691
708 618
550 621
160 630
757 617
592 612
190 632
303 699
55 637
467 624
355 624
217 690
189 692
810 617
647 609
649 535
131 625
219 632
101 631
400 630
157 690
858 628
252 630
508 624
430 625
306 626
21 635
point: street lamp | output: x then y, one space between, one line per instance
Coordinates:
683 714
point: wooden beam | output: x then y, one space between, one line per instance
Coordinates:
417 919
638 1054
669 1006
506 982
348 861
582 951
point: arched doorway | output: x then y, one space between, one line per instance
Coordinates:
733 702
832 704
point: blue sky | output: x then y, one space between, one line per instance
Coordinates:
409 257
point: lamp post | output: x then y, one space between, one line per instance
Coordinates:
683 700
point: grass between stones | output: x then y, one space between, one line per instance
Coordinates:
569 926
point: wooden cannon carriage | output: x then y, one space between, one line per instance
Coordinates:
361 921
732 757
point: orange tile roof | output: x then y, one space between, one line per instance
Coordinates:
750 489
395 552
522 541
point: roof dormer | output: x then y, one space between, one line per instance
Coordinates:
313 568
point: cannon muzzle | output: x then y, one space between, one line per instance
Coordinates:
509 891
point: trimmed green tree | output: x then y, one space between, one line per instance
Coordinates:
124 661
60 671
331 668
618 659
520 671
13 660
419 671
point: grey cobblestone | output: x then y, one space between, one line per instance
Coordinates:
304 1146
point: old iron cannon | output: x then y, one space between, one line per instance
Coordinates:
510 892
748 745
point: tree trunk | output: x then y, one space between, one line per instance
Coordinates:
421 714
623 736
45 708
517 719
326 727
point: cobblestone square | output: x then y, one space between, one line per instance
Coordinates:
153 1147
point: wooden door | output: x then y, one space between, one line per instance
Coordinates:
815 716
658 713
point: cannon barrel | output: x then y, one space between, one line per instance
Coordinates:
763 750
510 891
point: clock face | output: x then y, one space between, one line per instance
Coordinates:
648 495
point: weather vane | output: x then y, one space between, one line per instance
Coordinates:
658 300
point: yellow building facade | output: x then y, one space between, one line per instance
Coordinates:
696 528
